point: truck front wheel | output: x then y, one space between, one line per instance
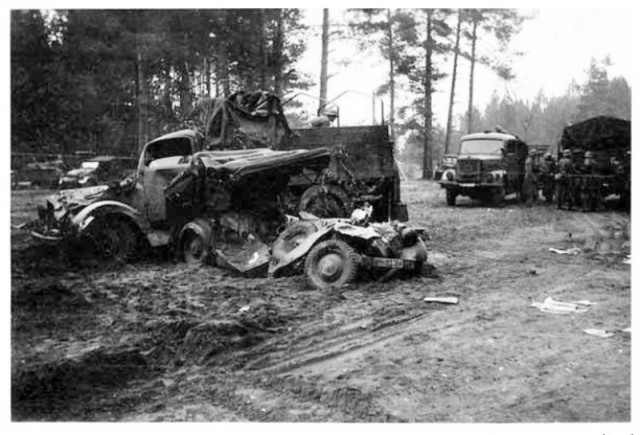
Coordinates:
497 197
451 197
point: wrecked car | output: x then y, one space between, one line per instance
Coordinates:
232 175
180 197
98 170
333 252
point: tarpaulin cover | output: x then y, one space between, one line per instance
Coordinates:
599 133
242 121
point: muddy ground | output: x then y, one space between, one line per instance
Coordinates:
156 340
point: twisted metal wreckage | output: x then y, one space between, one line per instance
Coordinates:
225 187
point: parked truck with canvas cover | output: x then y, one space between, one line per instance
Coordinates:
489 166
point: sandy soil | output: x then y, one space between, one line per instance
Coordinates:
157 340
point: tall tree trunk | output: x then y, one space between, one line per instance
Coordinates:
142 97
324 78
427 160
456 49
262 49
392 83
222 70
471 75
185 88
278 48
167 107
207 75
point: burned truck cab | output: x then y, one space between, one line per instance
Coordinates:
489 166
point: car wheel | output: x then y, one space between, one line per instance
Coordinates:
497 197
114 239
195 248
332 263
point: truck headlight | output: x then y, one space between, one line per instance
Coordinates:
449 176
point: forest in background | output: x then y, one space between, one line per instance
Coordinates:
109 80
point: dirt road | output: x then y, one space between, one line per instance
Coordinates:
158 341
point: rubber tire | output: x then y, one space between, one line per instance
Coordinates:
189 242
348 267
115 239
451 197
498 197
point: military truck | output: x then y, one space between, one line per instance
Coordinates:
234 174
489 166
608 139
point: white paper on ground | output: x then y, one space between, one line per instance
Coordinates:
556 307
442 299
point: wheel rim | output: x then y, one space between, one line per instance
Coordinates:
330 267
193 249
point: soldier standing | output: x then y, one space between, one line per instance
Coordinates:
529 186
589 166
565 169
547 173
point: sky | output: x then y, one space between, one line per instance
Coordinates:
557 46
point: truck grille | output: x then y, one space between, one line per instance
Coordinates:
468 169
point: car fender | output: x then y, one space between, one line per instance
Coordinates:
278 263
446 177
83 219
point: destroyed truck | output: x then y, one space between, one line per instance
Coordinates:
232 176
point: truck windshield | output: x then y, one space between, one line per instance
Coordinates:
481 146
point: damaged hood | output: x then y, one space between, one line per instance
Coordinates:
72 198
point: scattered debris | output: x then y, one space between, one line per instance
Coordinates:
572 251
442 299
627 260
244 309
19 226
606 333
602 333
556 307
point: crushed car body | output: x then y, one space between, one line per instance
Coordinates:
231 177
333 252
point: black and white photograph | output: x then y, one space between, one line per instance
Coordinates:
409 215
